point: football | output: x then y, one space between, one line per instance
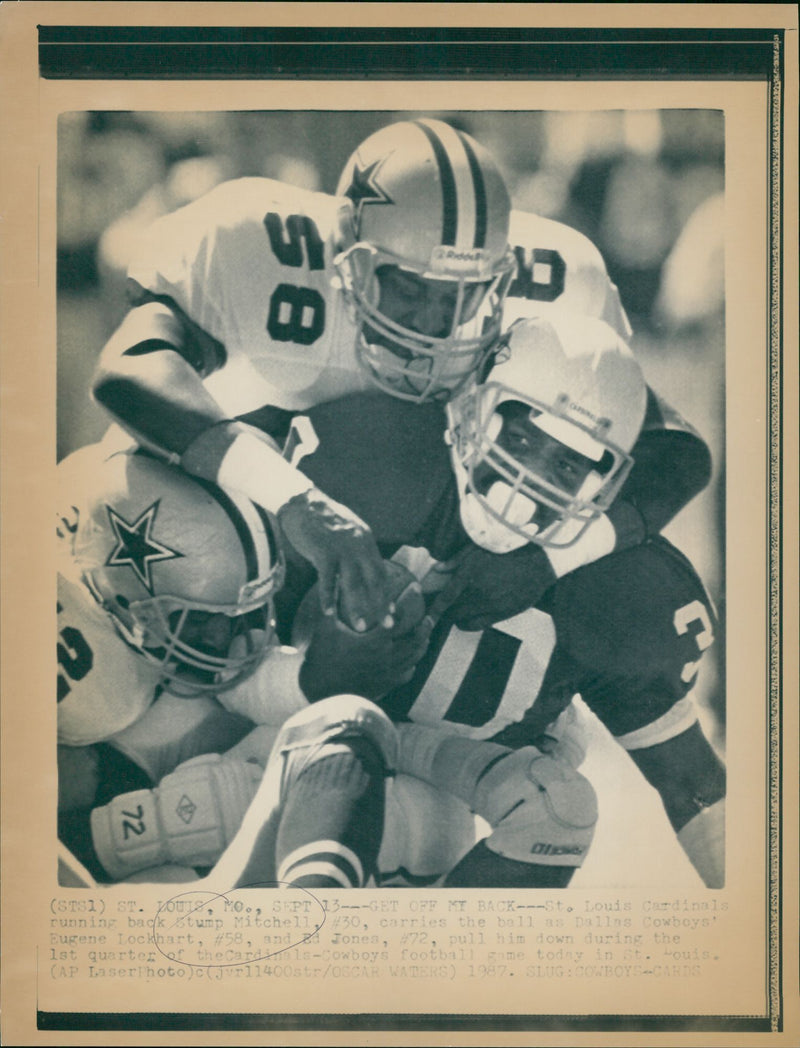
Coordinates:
404 590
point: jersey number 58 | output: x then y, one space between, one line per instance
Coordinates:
296 313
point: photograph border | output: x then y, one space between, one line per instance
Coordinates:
80 57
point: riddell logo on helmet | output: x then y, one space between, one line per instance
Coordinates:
469 261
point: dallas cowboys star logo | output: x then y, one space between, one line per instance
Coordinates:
136 548
363 189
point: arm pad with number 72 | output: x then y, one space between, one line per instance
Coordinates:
188 819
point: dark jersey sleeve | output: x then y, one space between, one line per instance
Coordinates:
387 460
636 623
204 352
672 464
687 773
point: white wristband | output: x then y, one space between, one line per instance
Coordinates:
252 467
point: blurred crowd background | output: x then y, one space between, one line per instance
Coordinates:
645 186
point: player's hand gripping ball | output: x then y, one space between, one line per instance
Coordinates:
339 660
343 550
404 592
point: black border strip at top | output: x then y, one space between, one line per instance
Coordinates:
208 53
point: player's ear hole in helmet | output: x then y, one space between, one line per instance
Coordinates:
428 264
186 571
541 446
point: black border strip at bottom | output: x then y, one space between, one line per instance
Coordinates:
241 1021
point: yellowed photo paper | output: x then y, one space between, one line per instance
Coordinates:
399 437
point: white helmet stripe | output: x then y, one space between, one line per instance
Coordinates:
463 206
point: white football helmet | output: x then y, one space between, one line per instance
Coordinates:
186 571
429 201
541 447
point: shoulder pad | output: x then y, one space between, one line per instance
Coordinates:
661 415
616 616
531 230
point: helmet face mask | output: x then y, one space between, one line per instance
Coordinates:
198 647
549 503
186 573
414 360
542 447
428 266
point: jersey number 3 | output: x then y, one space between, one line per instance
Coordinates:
296 313
693 615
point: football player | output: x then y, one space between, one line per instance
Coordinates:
257 299
261 299
166 593
539 450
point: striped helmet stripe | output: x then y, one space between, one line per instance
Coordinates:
274 552
247 518
481 216
464 205
242 514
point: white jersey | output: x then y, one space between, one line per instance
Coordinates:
558 267
103 684
251 263
109 692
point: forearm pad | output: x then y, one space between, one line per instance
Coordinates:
188 819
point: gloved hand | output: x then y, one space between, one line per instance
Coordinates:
339 660
342 548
